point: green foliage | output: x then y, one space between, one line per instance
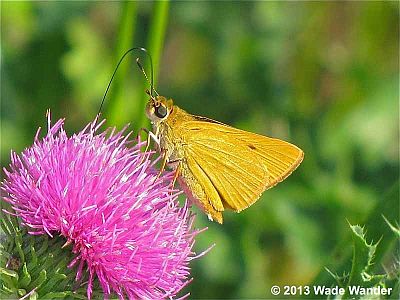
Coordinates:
395 229
323 75
361 273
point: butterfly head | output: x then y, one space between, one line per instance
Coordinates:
158 108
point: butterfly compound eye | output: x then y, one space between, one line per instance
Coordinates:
161 111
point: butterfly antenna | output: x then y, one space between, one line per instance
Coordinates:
116 68
145 75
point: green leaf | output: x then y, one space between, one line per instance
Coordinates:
34 258
341 280
54 280
395 229
9 278
54 295
39 280
18 246
26 277
5 290
5 224
9 273
363 254
361 274
21 292
33 296
8 223
43 247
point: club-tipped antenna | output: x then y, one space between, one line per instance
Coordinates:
152 89
151 82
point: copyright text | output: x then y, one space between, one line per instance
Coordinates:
354 290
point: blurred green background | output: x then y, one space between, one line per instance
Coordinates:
322 75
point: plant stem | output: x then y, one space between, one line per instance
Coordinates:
154 45
119 111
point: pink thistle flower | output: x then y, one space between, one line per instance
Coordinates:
125 224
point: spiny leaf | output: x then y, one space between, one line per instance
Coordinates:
361 274
341 280
395 229
363 254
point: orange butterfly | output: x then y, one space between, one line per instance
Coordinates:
219 167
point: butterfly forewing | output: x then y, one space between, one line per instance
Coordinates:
240 165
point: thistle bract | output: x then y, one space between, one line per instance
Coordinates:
104 195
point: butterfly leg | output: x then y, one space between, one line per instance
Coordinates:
163 163
177 170
150 136
147 141
177 173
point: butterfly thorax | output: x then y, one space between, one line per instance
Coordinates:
167 120
169 132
